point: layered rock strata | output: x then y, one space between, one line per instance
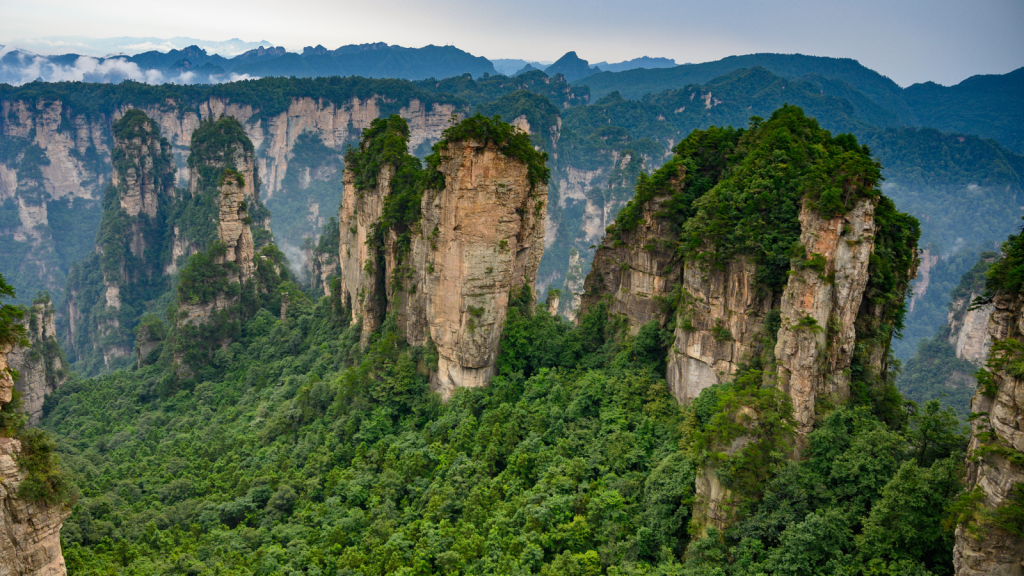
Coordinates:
478 239
721 313
633 272
29 531
233 224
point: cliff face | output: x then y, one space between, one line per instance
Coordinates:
448 276
718 326
41 367
800 289
820 306
994 470
129 244
67 154
967 326
29 531
490 239
634 270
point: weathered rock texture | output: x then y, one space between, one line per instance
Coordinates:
129 243
233 225
819 307
988 549
719 325
6 378
76 150
479 238
29 531
631 273
41 367
967 326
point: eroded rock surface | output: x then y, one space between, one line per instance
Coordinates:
819 307
984 548
29 531
478 239
719 325
41 367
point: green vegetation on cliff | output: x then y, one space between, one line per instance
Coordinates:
299 453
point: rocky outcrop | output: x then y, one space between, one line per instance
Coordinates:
820 306
29 531
635 269
233 225
72 150
41 366
721 313
361 288
996 449
129 245
967 325
478 239
6 378
489 240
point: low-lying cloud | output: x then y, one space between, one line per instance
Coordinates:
17 68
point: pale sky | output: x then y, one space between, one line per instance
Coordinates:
910 41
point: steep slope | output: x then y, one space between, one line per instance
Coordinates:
41 365
789 267
442 249
106 292
31 530
57 138
988 536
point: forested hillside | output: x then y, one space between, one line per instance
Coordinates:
597 147
287 447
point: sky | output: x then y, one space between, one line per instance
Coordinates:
944 41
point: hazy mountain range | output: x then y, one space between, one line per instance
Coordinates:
182 60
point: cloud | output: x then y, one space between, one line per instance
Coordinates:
19 67
148 47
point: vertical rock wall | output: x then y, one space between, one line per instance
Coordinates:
233 223
361 283
987 549
718 325
29 531
819 307
41 367
633 272
489 241
478 239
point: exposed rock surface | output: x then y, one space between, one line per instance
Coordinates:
989 549
819 308
632 272
77 151
478 239
41 367
29 531
233 225
719 325
6 379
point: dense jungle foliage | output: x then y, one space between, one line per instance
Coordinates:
304 455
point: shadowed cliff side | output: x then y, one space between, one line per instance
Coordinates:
990 532
442 248
41 365
34 498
